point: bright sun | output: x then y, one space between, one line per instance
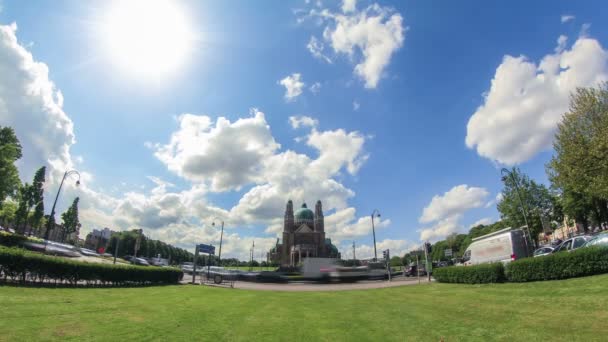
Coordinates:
146 37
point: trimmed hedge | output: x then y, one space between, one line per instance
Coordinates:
578 263
24 266
15 240
478 274
8 239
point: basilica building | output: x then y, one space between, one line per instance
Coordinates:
303 236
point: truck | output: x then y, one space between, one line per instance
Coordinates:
504 246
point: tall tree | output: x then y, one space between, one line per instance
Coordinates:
579 168
536 201
38 197
10 151
70 219
24 204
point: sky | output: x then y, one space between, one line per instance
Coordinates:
178 114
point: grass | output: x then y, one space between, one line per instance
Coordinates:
565 310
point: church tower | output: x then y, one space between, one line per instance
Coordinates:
319 220
288 222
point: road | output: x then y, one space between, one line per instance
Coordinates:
313 286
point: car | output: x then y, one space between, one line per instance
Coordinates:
600 239
139 261
88 252
543 250
572 243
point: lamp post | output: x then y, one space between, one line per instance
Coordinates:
506 174
375 213
52 216
219 257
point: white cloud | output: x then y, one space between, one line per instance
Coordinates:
369 37
344 225
484 221
302 121
356 106
316 48
526 100
229 154
441 228
446 211
456 201
349 6
293 86
315 88
366 251
566 18
289 175
32 105
216 156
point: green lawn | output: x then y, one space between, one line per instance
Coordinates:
567 310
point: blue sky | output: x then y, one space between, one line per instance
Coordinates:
391 137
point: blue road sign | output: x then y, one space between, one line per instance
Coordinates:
207 249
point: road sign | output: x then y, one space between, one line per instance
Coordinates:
447 252
207 249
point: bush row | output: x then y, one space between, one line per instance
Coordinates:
478 274
578 263
23 266
8 239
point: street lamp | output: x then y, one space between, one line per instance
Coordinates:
505 175
52 216
219 257
375 213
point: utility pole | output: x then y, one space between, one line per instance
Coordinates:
418 268
354 258
116 249
194 267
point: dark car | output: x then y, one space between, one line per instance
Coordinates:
572 243
413 270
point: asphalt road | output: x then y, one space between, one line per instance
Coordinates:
313 286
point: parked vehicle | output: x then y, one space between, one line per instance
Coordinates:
573 243
88 252
544 250
187 267
219 274
505 245
412 270
140 261
600 239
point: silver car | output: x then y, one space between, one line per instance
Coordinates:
572 243
544 250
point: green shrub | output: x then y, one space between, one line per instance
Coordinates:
8 239
578 263
21 265
478 274
14 240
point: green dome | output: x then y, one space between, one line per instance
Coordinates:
304 214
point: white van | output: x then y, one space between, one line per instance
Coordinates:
505 245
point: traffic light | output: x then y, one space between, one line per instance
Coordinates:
428 247
384 255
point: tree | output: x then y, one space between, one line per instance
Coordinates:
10 151
7 213
579 168
38 197
537 201
24 204
70 219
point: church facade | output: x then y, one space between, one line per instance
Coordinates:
303 236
